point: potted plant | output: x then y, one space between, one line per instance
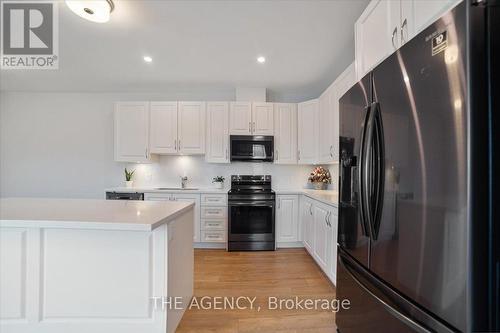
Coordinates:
128 178
320 178
219 182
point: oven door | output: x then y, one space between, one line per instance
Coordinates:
251 221
254 148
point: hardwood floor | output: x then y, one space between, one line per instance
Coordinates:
285 273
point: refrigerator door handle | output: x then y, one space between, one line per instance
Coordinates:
400 316
378 169
366 170
361 171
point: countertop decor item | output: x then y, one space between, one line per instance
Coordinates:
218 181
128 178
320 178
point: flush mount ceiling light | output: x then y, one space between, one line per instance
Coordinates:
261 59
93 10
148 59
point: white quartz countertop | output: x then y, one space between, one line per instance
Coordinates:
329 197
89 214
163 190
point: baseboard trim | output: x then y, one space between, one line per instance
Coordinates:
206 245
283 245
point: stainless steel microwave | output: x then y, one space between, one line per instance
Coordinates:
252 148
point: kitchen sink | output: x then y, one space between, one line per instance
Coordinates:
176 188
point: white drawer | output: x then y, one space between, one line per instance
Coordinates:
213 212
214 199
213 224
213 236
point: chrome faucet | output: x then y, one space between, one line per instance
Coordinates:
184 181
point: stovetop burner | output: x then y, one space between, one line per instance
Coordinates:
250 184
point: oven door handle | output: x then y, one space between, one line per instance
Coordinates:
253 204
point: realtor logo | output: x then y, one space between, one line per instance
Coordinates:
29 35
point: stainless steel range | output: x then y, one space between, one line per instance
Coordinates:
251 224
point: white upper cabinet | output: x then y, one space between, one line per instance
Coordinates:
246 118
131 132
386 25
326 123
376 34
262 119
163 128
217 132
308 132
287 218
285 133
191 126
341 85
424 12
240 118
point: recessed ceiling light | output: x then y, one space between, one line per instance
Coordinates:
261 59
148 59
93 10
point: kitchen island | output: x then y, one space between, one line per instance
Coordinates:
79 266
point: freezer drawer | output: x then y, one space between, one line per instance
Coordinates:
374 307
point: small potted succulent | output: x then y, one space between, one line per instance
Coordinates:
320 178
219 182
128 178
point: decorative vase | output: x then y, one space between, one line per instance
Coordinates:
319 185
129 183
219 185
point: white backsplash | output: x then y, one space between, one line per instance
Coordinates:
167 170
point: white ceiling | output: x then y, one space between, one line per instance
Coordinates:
201 44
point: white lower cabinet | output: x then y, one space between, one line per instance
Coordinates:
181 197
332 263
307 223
319 225
320 213
213 218
287 218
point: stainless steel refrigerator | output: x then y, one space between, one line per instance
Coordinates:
418 244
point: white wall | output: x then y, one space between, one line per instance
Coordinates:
61 145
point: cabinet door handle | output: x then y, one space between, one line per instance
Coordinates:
394 34
146 153
179 144
403 26
226 154
175 144
250 127
298 155
310 210
331 154
277 154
